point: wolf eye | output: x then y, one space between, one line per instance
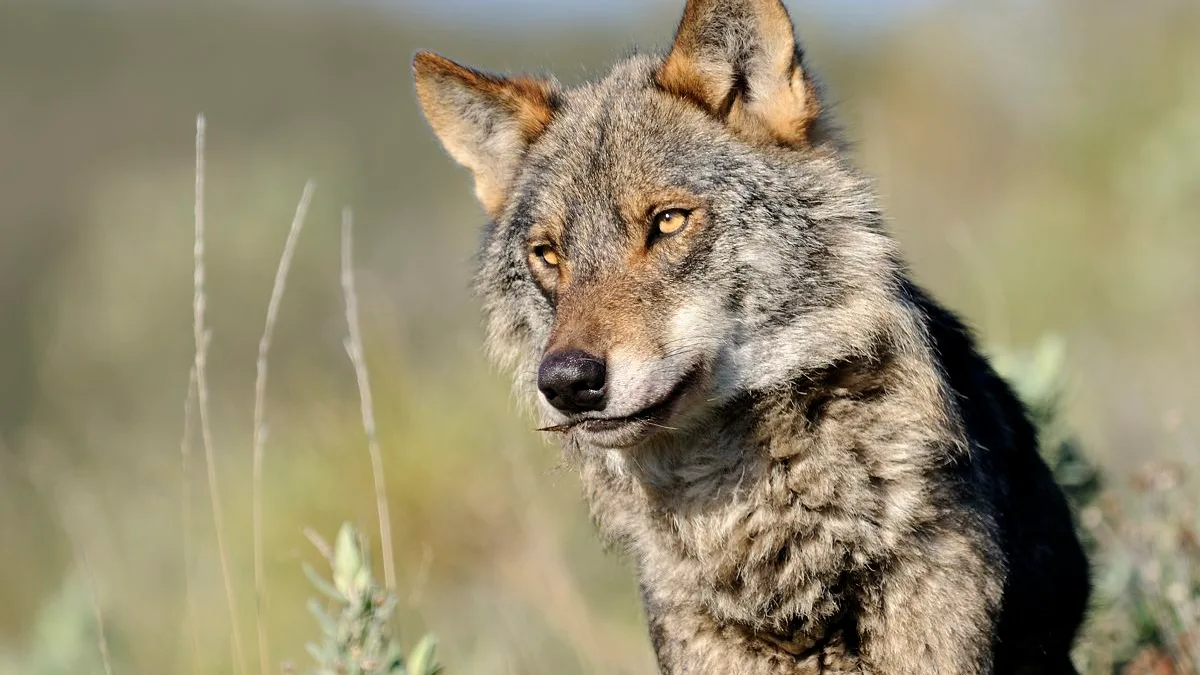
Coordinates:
546 254
670 221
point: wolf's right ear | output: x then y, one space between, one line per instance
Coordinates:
486 122
739 60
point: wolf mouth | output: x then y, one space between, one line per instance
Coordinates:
654 414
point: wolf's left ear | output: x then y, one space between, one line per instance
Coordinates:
486 122
739 60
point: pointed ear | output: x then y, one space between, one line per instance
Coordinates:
739 60
486 122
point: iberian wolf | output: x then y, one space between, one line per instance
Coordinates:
807 459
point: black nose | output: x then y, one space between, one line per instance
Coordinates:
572 380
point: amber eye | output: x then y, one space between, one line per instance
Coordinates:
670 221
546 254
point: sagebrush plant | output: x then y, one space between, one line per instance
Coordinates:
356 628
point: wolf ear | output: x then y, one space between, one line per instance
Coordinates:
739 60
486 122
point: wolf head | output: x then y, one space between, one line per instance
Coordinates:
679 233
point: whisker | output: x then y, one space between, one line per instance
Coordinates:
697 338
676 352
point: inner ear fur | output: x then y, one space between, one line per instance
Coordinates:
486 122
739 60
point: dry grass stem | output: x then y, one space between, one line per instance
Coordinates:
185 452
202 340
260 427
354 348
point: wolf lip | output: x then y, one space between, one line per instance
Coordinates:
653 414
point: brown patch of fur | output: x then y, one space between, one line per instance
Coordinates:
682 76
531 100
600 315
785 117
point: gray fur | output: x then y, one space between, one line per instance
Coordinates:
846 486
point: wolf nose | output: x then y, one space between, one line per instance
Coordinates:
572 381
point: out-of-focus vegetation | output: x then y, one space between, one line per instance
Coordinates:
357 634
1040 161
1142 533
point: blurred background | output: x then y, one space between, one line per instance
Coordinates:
1040 162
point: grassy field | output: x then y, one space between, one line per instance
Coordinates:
1040 165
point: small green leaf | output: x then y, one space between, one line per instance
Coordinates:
315 652
348 560
323 586
423 660
328 625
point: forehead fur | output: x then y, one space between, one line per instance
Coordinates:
618 128
625 130
622 136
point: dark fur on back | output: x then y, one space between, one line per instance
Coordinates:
810 463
